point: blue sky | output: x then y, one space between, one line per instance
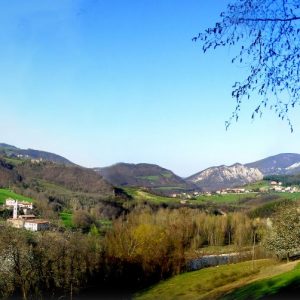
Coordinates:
105 81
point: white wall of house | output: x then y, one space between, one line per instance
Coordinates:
31 226
36 226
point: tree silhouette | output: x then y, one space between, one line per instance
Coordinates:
266 35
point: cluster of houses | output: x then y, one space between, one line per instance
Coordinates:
274 186
278 187
25 220
219 192
232 191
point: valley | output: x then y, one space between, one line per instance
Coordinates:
144 225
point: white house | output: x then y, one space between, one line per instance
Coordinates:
36 225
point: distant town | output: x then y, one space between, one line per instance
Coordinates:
274 186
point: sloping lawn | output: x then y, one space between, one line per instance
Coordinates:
6 193
139 196
200 284
280 285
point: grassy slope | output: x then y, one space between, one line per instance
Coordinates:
6 193
213 282
267 287
140 195
198 284
227 197
67 219
257 185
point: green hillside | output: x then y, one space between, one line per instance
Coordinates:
215 282
139 195
243 199
6 193
279 285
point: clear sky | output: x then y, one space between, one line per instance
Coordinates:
106 81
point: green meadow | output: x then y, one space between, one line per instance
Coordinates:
66 218
266 287
240 281
200 284
6 193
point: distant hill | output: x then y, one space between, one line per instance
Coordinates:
144 175
280 164
74 178
64 186
14 152
221 177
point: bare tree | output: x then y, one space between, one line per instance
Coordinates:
265 34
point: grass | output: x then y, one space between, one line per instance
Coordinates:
6 193
140 196
54 187
226 197
258 289
169 188
254 199
201 284
263 184
67 218
14 161
249 197
290 196
150 177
